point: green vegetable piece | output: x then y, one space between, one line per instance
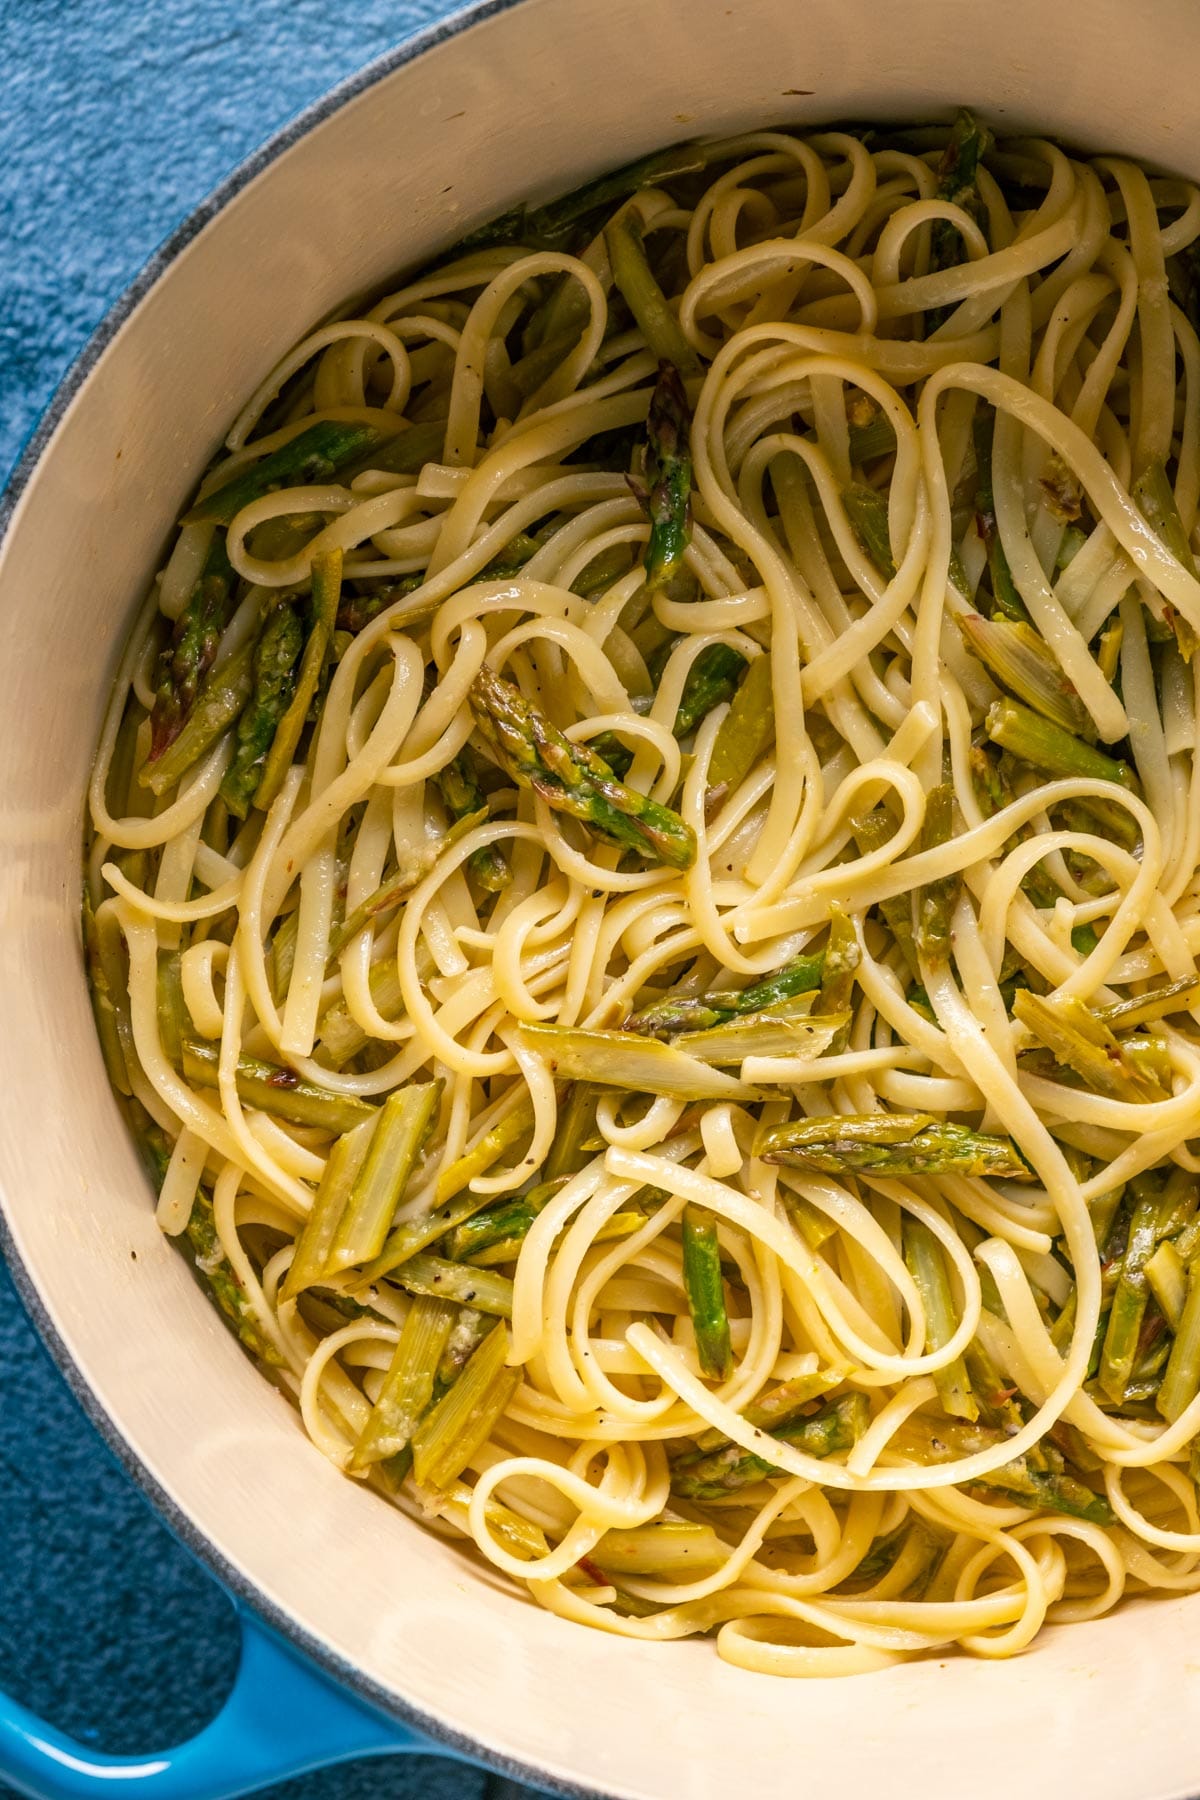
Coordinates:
706 1293
1155 1003
779 1406
576 1124
1048 747
279 1091
189 656
275 657
933 904
312 456
559 217
346 1157
326 590
464 799
441 1279
1075 1036
634 277
667 1017
621 1059
227 1291
218 705
1153 492
463 1419
926 1264
1008 601
889 1144
746 731
404 1124
837 1426
867 511
571 778
1021 661
664 486
408 1387
712 679
1181 1382
1129 1301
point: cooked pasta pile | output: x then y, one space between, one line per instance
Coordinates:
642 893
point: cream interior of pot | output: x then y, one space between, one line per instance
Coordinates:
527 101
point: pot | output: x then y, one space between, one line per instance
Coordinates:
362 1632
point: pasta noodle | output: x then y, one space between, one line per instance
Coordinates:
642 894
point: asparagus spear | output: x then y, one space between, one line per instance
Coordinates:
217 706
174 1020
1051 1489
640 1065
466 1334
958 171
927 1266
867 511
571 778
837 1426
706 1293
416 1235
889 1144
276 1090
871 831
871 432
842 957
104 1002
664 487
347 1154
227 1291
1007 600
712 679
1153 493
464 797
1129 1300
499 1226
483 1289
275 657
188 657
778 1406
400 1133
671 1015
745 732
1022 662
1075 1036
787 1029
326 590
633 276
558 217
355 611
671 1548
408 1387
576 1124
1166 1277
463 1419
933 904
1181 1383
1156 1003
490 1148
1048 747
405 453
313 455
384 900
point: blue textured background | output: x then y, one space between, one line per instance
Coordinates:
118 117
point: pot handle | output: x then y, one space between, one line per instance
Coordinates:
283 1717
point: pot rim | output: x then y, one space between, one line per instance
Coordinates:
180 1522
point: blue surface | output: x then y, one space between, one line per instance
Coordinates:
118 117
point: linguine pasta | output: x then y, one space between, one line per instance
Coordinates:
642 893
